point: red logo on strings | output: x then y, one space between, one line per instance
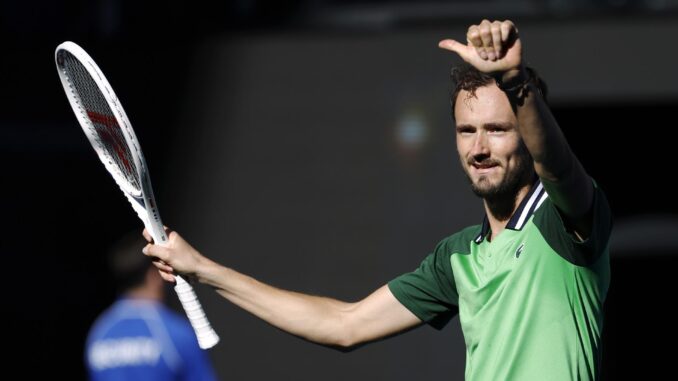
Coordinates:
111 136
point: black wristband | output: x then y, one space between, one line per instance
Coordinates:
518 88
516 84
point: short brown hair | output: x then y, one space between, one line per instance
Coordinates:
127 263
468 78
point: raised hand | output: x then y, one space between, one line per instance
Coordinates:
492 47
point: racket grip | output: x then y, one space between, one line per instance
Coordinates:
207 337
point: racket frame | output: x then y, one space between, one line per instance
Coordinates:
142 200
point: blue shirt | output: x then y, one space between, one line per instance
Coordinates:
137 339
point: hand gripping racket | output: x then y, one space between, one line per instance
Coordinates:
109 131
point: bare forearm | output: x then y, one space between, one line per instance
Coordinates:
539 129
563 175
314 318
322 320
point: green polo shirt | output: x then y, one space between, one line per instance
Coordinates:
530 301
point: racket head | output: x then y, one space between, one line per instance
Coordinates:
101 117
109 131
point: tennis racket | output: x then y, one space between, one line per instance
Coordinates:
109 131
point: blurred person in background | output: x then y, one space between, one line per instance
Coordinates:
138 337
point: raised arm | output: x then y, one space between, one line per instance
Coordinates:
495 48
322 320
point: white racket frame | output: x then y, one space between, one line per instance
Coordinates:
142 201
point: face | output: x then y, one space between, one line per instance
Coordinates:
490 148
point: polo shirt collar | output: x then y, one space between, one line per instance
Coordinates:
526 209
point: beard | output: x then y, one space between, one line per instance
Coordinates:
501 196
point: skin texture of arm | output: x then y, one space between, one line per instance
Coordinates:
496 48
318 319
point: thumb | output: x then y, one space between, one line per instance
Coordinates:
156 251
454 46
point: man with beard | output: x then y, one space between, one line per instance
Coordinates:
528 283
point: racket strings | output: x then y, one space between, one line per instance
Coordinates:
105 126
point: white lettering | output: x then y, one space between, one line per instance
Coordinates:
128 351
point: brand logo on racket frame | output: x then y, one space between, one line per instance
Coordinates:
110 136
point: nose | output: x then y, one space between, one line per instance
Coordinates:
480 148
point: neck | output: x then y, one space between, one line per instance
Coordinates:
500 210
144 293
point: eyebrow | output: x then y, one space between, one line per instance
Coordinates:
506 126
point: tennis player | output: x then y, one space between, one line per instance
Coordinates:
528 282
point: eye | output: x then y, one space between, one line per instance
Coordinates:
496 130
465 130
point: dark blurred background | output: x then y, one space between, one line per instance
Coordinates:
308 143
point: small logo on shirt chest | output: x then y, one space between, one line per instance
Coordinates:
519 250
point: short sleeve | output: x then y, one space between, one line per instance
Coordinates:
582 253
196 364
429 292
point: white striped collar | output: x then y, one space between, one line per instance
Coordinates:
526 209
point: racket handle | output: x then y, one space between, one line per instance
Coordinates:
207 337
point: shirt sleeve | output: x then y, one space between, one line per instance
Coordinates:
196 365
429 292
578 252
